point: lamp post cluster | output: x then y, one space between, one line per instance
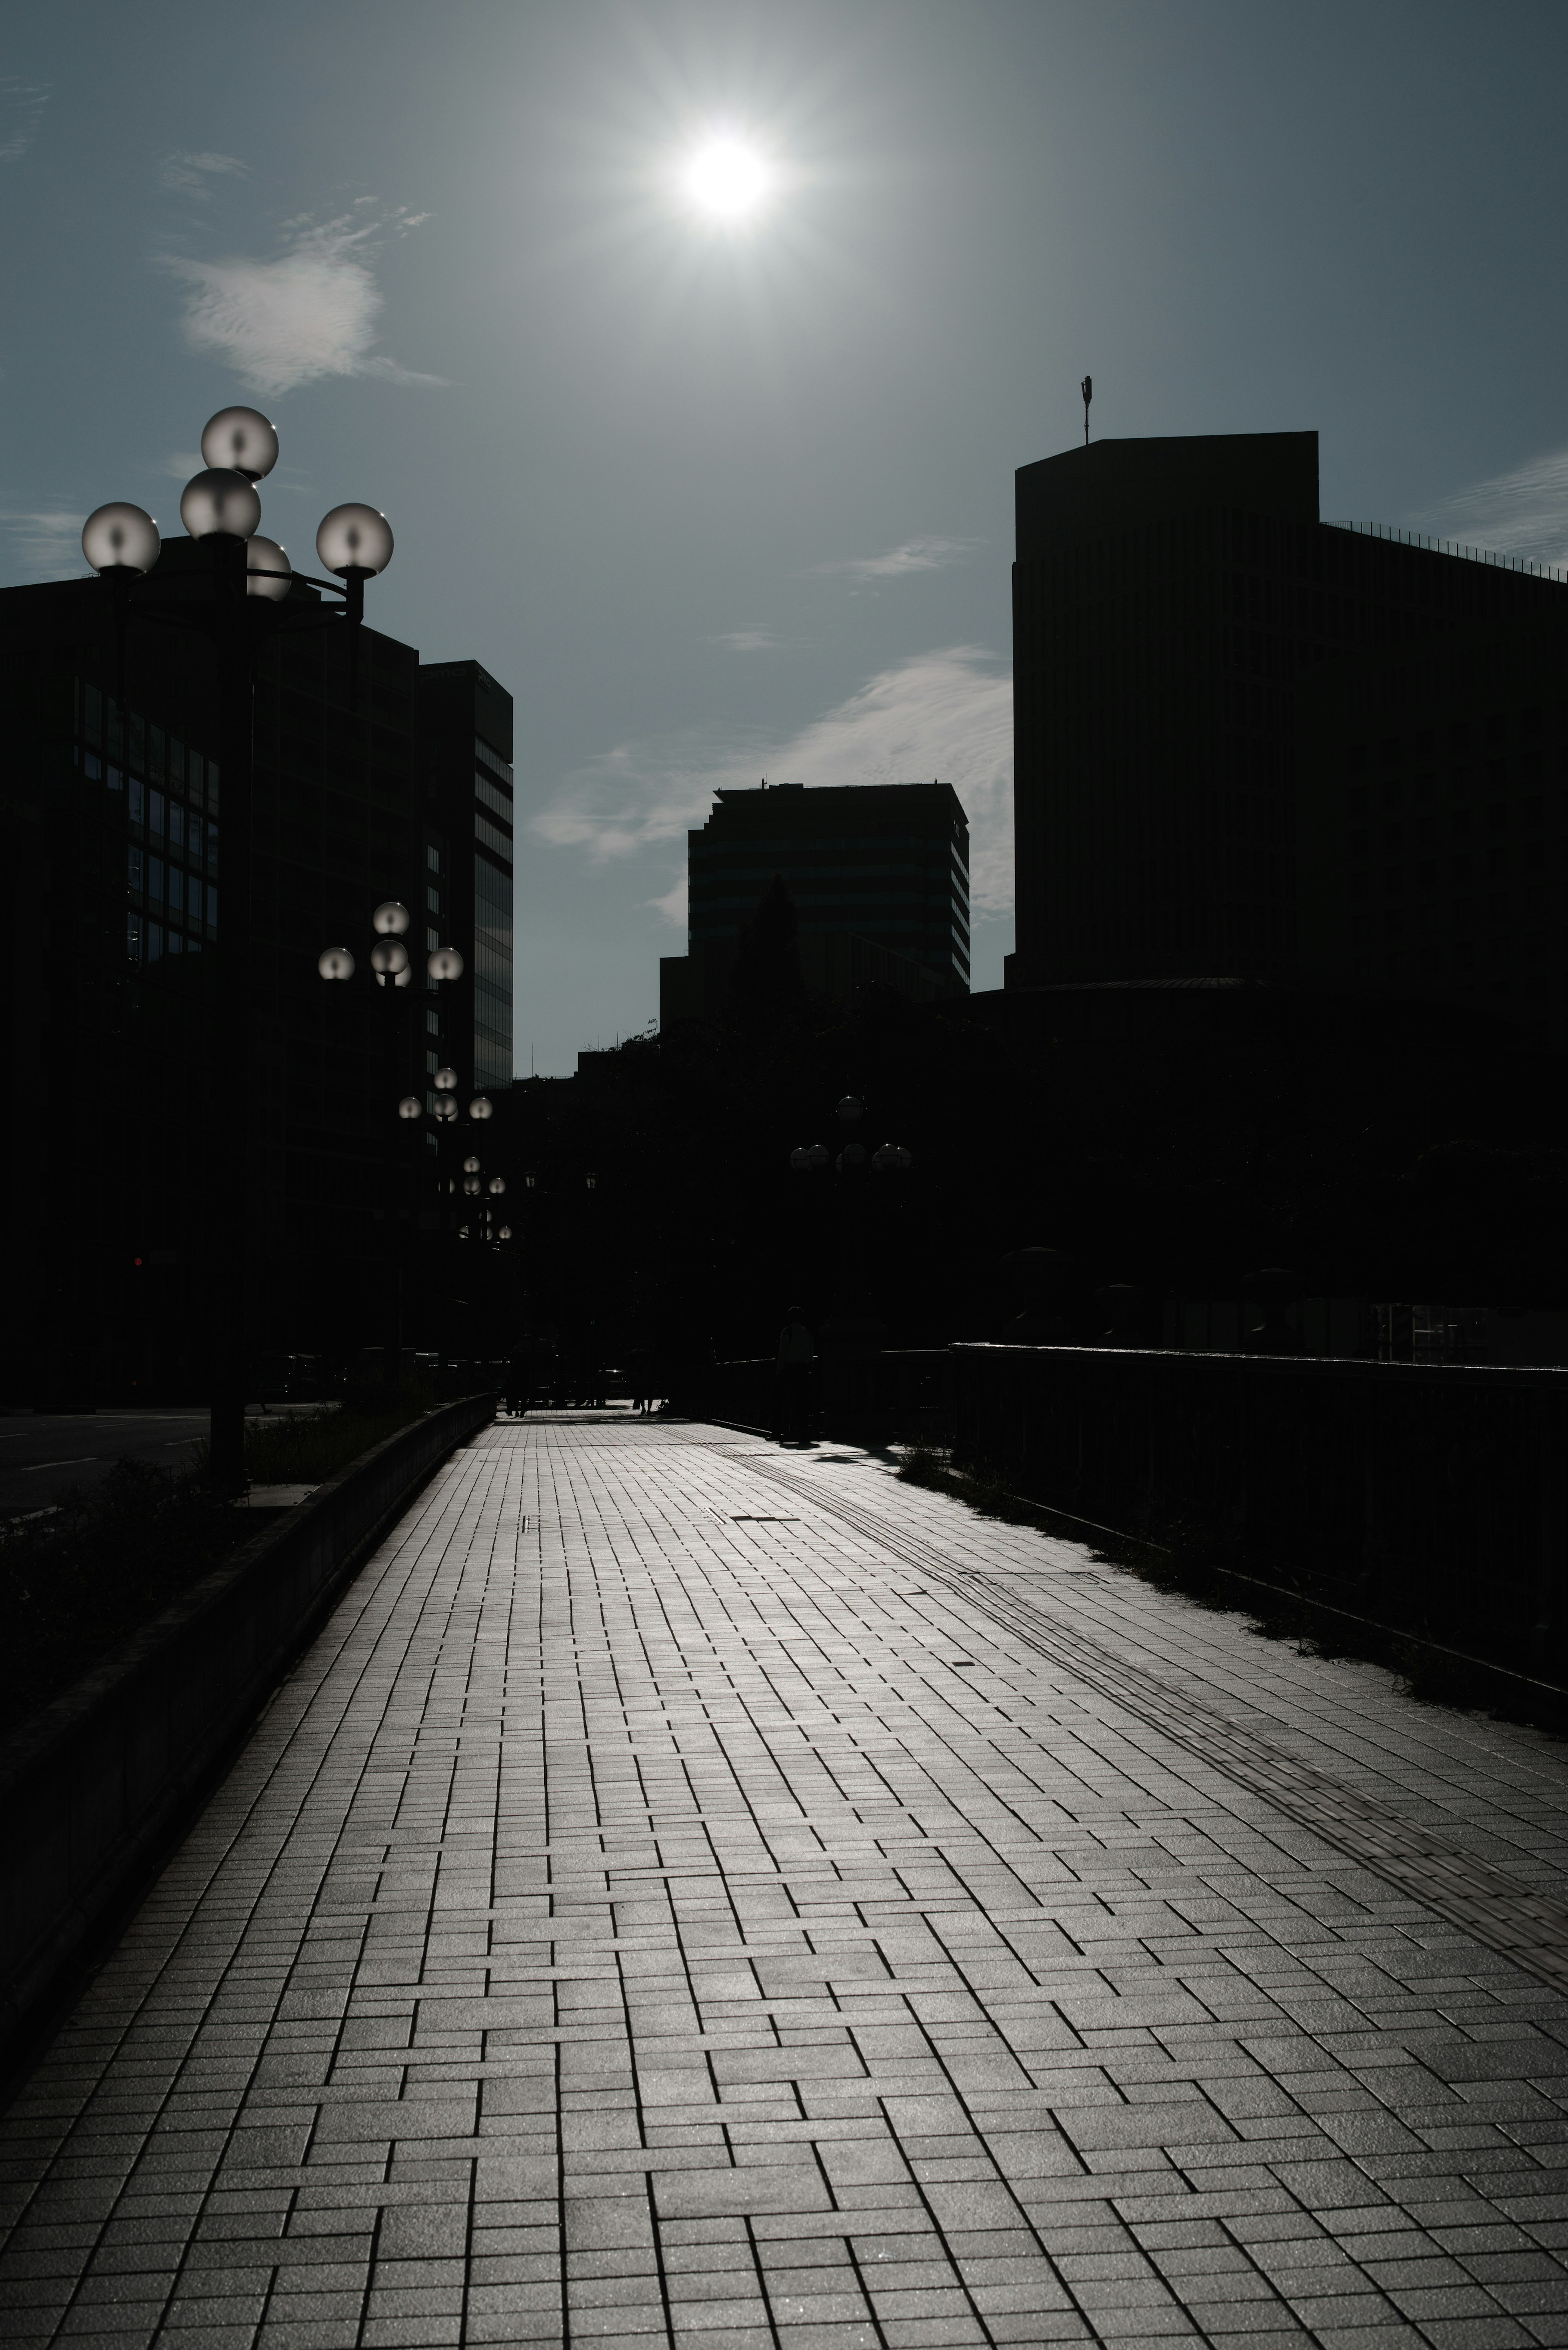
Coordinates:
389 958
486 1192
392 967
242 600
888 1158
849 1232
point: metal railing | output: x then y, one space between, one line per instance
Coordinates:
1451 547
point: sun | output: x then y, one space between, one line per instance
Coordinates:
726 180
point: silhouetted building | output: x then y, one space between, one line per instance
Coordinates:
466 731
1434 819
1172 599
877 875
113 852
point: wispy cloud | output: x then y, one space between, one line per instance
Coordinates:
1524 512
43 543
746 640
899 562
22 105
312 312
184 174
946 714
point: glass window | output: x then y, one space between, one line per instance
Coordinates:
133 938
176 942
133 865
154 811
92 767
138 800
155 877
433 939
154 941
433 902
194 767
116 780
493 837
176 825
155 753
212 846
212 786
432 1023
194 830
176 891
432 859
212 907
176 757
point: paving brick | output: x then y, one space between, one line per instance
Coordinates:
634 1907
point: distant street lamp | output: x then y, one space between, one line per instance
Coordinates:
849 1236
242 603
888 1159
392 968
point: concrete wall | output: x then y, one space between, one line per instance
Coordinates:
93 1784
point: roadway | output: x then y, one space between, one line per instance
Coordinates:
42 1454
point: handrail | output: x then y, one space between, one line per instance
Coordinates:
1397 537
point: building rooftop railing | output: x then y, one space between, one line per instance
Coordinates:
1451 547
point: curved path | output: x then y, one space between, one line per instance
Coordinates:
696 1893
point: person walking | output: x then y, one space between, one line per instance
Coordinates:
796 1354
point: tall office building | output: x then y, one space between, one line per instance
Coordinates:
465 738
1174 601
1434 819
113 852
877 875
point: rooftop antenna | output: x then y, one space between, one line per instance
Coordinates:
1088 388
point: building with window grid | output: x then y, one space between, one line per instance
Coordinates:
1175 603
877 874
1434 819
113 849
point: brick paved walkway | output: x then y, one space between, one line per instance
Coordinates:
696 1893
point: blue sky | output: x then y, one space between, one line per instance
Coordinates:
720 502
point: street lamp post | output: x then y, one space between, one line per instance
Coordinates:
244 600
852 1163
392 968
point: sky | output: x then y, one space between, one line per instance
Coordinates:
720 496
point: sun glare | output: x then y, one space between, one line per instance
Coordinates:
726 181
